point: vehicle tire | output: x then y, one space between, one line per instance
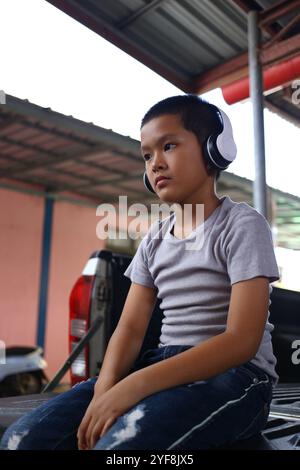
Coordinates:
29 383
25 383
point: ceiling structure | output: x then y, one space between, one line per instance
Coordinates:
198 45
46 153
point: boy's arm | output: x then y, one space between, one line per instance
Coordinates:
247 316
246 321
127 339
122 350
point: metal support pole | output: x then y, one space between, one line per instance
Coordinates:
45 262
256 94
75 353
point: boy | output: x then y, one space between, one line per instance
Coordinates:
209 382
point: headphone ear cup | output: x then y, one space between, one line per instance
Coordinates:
213 155
147 183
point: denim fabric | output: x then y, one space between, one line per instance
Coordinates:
205 414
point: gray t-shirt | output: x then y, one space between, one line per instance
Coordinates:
194 285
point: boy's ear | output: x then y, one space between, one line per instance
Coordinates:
208 167
210 170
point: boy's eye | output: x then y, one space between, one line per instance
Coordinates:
166 147
169 146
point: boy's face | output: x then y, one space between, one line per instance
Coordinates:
172 151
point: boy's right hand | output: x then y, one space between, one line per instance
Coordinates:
99 388
106 408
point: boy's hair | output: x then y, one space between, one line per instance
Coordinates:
197 116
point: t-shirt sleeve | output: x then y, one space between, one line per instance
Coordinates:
249 249
138 271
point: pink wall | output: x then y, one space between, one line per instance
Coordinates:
20 246
73 241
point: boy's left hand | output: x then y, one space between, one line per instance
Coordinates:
103 411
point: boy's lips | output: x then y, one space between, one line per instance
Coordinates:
161 178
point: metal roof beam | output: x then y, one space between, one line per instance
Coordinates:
45 163
89 179
18 119
280 9
50 189
9 158
98 166
69 124
152 5
247 5
74 187
283 31
250 5
114 199
25 167
95 182
100 182
56 132
237 68
24 145
8 122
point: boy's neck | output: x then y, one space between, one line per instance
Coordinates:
209 207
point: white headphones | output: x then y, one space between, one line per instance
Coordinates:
220 148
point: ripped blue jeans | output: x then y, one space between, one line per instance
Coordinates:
206 414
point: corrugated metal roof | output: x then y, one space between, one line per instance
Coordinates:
207 32
68 158
40 146
183 40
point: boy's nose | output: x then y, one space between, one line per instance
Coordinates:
158 160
